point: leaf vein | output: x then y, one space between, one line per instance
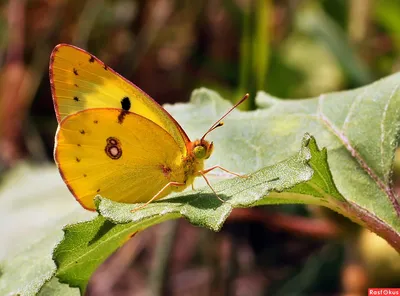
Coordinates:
354 153
383 134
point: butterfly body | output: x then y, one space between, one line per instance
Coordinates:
113 139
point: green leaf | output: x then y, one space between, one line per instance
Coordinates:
86 245
351 175
34 206
359 129
54 287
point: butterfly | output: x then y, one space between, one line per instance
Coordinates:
115 140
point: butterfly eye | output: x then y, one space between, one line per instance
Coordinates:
210 150
199 151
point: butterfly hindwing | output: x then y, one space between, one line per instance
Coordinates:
80 81
127 162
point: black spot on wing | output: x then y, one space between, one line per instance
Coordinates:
121 116
98 190
82 132
75 72
126 103
105 67
78 159
76 85
76 99
95 121
91 60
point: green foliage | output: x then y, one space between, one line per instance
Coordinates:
351 175
86 245
255 48
314 22
32 224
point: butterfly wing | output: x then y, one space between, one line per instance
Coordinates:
80 81
127 162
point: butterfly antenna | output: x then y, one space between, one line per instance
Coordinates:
219 123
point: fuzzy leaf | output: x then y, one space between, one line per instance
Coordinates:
34 206
351 176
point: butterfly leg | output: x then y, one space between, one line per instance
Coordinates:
204 172
208 183
158 194
223 169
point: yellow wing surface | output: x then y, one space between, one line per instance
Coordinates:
127 162
80 81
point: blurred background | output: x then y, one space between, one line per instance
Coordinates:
289 48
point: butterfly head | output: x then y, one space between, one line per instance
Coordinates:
202 149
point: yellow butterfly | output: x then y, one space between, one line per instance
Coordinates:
113 139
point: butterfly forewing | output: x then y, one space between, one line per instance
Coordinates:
80 81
